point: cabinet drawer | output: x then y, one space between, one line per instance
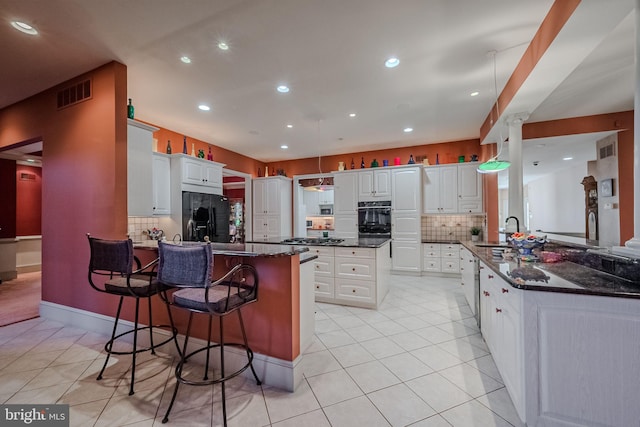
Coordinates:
321 250
431 247
431 264
450 247
430 253
450 254
355 252
323 266
451 266
324 286
469 206
355 290
360 268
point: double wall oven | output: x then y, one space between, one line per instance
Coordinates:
374 219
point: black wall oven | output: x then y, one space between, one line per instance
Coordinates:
374 219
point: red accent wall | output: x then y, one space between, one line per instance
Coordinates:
7 198
28 200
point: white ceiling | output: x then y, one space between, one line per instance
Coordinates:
331 53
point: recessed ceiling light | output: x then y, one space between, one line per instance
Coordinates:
474 94
185 59
392 62
541 145
352 114
204 107
223 46
567 158
282 89
25 28
284 147
289 126
407 130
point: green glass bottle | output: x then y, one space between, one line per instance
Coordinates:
130 110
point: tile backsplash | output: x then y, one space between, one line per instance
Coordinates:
452 227
138 226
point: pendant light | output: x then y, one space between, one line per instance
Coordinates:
493 164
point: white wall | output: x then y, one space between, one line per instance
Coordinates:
608 218
556 201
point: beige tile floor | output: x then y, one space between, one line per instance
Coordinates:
419 360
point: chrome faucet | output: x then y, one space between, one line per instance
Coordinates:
517 222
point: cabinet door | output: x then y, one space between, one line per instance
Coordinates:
311 202
212 175
449 189
406 191
345 193
406 228
161 185
406 256
511 354
469 189
346 226
324 286
139 171
192 172
259 201
431 192
382 184
365 185
272 196
325 197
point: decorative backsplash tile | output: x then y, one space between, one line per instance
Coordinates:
138 226
452 227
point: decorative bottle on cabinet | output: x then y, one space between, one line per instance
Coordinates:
193 149
130 110
353 165
209 155
362 166
411 161
184 145
168 146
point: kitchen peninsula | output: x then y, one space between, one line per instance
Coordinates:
280 325
353 272
565 336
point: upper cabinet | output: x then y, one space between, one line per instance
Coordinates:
452 189
345 193
139 168
197 175
272 198
325 197
161 172
374 184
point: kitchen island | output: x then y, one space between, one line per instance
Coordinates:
353 272
279 326
565 336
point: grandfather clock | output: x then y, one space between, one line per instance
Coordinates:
591 208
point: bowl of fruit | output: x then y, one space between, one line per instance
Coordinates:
526 243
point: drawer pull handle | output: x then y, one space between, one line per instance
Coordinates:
498 310
505 291
317 287
353 252
353 290
481 268
490 276
353 269
486 294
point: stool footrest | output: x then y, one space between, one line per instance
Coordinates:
109 345
181 363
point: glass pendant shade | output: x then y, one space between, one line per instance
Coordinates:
493 165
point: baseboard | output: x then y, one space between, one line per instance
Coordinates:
29 268
282 374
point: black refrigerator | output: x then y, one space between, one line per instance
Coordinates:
205 215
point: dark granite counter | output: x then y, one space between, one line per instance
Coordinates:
445 242
237 249
364 242
568 276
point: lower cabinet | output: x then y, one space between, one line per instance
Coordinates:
351 276
469 273
441 258
502 330
406 256
345 226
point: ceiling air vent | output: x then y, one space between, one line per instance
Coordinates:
607 151
73 94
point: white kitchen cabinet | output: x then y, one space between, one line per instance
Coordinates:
345 226
139 168
502 329
345 193
469 188
441 189
325 197
272 199
161 172
311 202
469 272
441 258
190 173
374 184
405 219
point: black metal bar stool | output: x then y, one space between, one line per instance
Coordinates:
114 259
187 269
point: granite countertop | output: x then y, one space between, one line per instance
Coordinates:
363 242
565 276
446 242
236 249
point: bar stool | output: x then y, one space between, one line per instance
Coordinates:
187 269
114 259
